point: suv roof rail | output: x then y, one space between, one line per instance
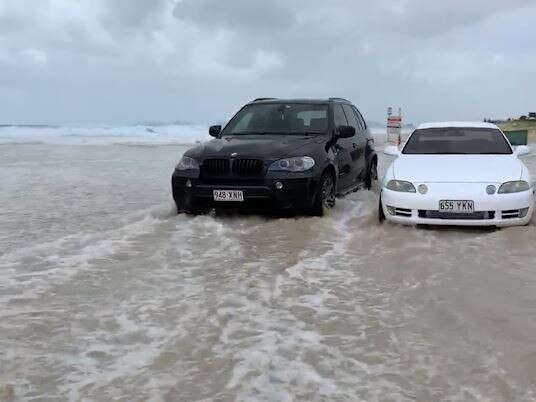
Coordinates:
262 99
339 99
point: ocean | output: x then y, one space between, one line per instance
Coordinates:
108 294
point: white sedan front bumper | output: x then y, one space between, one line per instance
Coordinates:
490 210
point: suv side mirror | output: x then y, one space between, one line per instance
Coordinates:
215 131
345 132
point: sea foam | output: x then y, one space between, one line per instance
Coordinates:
137 135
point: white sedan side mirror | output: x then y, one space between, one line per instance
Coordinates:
391 150
522 150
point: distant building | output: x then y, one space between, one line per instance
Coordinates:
532 115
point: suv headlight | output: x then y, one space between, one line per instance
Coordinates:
187 163
298 164
401 186
514 187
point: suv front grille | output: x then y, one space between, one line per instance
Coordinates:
215 167
247 167
218 171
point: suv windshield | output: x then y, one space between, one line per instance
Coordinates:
474 141
279 118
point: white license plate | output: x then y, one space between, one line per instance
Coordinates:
458 206
229 195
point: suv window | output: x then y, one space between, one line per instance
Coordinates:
279 118
338 116
310 117
352 119
360 118
243 123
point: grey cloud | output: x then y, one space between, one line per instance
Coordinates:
133 15
362 30
432 18
263 15
132 60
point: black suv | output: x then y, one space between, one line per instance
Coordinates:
279 155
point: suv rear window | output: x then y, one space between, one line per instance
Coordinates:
279 118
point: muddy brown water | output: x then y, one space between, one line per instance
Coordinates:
106 294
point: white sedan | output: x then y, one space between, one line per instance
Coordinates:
464 174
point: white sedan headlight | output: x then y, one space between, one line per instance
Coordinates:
401 186
514 187
298 164
187 163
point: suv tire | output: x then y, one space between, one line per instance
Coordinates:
372 174
325 196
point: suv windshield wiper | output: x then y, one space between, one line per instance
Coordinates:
303 133
277 133
492 153
251 133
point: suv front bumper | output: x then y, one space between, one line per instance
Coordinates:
296 194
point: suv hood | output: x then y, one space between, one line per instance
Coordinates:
249 146
457 168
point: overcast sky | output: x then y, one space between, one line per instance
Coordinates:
124 61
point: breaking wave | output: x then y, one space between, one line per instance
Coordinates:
137 135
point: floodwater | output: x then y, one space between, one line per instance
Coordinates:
106 294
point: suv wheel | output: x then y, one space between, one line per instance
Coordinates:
186 207
325 197
372 174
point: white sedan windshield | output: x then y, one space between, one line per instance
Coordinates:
457 140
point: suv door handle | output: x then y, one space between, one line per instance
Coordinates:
354 145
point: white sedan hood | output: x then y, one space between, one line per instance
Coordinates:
457 168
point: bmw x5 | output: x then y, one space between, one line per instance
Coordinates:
279 155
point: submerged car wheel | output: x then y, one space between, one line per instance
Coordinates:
325 197
184 207
372 174
381 215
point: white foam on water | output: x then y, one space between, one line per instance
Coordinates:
277 361
134 135
266 312
141 338
116 355
275 324
137 135
55 262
